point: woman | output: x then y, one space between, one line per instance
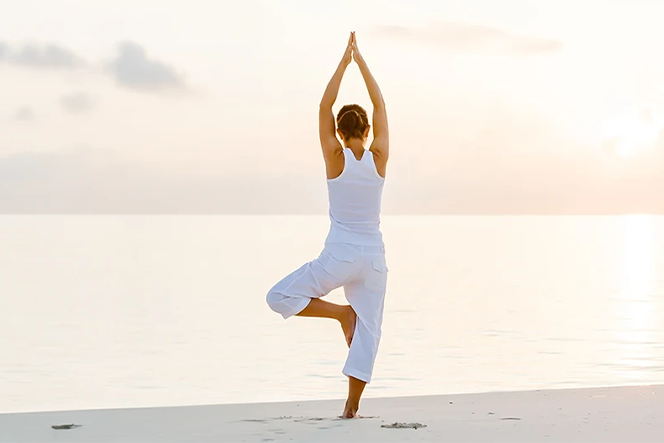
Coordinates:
354 253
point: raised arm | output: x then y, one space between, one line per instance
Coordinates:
326 124
381 141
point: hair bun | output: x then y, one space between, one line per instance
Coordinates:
350 117
352 122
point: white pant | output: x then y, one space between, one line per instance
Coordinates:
362 271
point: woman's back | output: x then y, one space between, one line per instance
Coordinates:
355 202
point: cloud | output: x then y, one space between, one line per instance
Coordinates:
40 57
467 37
24 113
133 69
77 102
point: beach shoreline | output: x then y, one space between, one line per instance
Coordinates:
626 413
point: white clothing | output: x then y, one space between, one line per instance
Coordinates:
362 271
355 202
353 257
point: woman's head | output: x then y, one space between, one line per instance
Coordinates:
353 122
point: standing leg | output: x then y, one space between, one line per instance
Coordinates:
367 297
355 389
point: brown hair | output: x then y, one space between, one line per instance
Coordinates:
352 121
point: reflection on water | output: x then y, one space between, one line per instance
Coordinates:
636 307
112 311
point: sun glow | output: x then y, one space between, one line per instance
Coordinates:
630 133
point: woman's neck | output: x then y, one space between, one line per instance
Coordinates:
355 144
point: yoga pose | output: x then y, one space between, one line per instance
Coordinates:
354 253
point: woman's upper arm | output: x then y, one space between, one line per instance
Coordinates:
326 132
381 133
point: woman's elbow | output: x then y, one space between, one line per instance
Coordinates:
379 104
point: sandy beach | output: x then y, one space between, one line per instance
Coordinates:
615 414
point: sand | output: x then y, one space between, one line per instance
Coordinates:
617 414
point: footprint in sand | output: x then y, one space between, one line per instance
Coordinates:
359 417
71 426
398 425
308 419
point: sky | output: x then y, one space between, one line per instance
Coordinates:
210 106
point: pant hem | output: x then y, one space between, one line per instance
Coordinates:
362 376
299 308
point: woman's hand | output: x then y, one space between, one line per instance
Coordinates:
356 52
348 55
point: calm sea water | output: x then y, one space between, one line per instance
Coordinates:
127 311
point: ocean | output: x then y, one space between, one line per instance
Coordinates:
102 311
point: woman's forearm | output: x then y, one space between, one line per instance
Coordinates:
372 86
332 90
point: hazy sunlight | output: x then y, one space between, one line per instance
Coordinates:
632 132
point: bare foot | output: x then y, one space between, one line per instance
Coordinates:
348 324
350 411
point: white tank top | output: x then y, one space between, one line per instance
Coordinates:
355 202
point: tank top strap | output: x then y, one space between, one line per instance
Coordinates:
372 165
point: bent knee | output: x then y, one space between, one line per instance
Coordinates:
274 300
